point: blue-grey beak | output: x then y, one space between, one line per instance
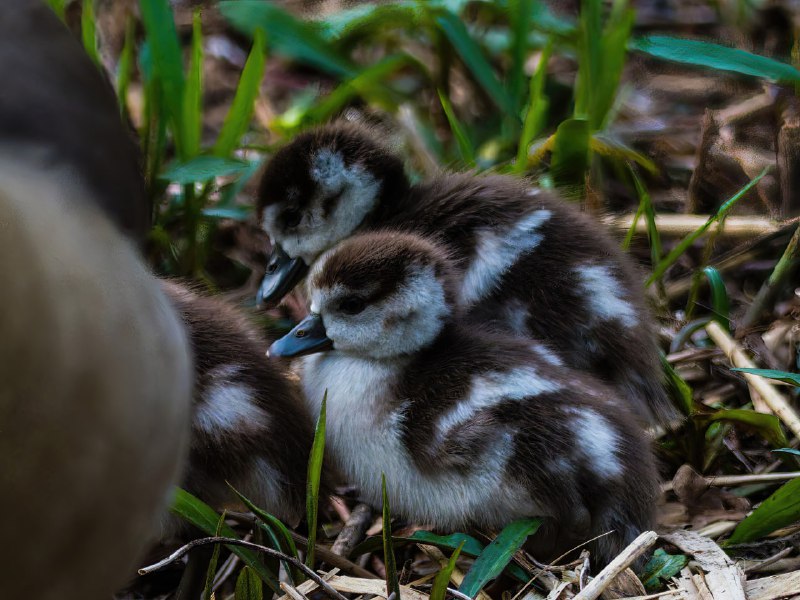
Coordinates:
283 273
308 337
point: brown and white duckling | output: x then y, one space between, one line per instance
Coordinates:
250 426
528 262
471 428
96 377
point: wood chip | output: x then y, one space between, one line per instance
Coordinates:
785 585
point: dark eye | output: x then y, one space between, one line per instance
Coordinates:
352 305
292 217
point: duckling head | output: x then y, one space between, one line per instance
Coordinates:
378 295
315 192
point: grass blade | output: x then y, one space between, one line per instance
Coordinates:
780 509
290 36
571 153
519 15
203 168
497 555
392 583
89 30
536 111
706 54
767 426
126 64
193 96
238 118
685 243
208 591
719 297
464 145
785 377
314 473
472 55
439 589
678 388
248 586
206 519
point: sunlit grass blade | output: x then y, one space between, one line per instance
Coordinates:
519 15
238 118
208 590
719 297
497 555
605 145
206 519
780 509
58 7
464 145
473 58
685 243
248 586
589 57
767 426
193 96
784 376
614 50
89 30
297 39
715 56
314 473
536 111
279 532
167 60
439 589
392 582
126 64
646 208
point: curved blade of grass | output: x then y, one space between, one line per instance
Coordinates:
767 426
286 541
536 111
784 376
167 60
497 555
202 516
605 145
297 39
685 243
248 586
89 30
707 54
719 297
678 388
238 118
58 7
193 95
392 583
439 589
464 145
312 486
792 451
570 152
780 509
472 55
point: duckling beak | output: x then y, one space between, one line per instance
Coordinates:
307 337
283 273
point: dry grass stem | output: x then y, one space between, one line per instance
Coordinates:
681 225
624 560
292 592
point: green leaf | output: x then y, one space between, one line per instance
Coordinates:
125 65
248 586
286 542
236 213
793 451
570 152
779 510
167 62
678 388
497 555
706 54
193 96
439 589
784 376
519 16
768 426
472 55
686 242
208 590
297 39
238 118
661 568
367 20
536 110
89 30
58 7
203 168
206 519
392 582
464 145
719 297
312 487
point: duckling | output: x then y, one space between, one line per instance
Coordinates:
250 426
528 263
96 371
473 428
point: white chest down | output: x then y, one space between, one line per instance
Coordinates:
364 440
